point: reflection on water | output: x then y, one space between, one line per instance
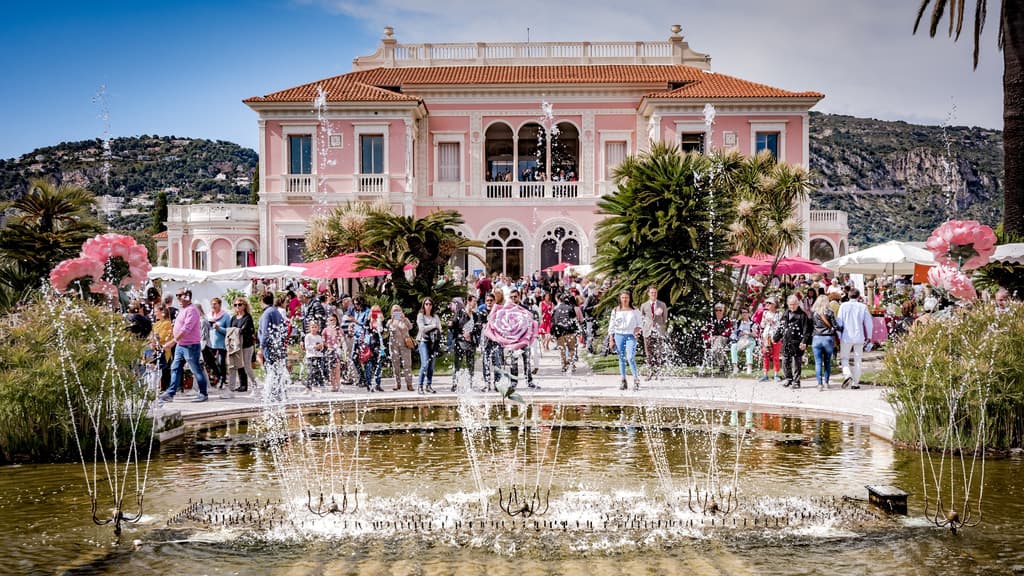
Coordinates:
603 462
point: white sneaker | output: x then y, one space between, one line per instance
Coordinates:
749 369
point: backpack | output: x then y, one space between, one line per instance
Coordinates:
563 320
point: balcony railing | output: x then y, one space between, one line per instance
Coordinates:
227 214
371 183
532 190
392 54
829 220
299 183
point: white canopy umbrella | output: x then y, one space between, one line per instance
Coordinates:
893 257
178 274
1009 253
259 272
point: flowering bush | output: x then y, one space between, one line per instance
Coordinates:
76 274
953 281
966 244
512 326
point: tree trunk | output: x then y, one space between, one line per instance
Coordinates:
1013 116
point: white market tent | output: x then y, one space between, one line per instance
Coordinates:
1009 253
178 274
259 272
893 257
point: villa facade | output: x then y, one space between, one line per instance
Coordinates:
520 138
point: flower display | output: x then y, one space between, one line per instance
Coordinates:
512 326
967 244
124 261
953 281
85 272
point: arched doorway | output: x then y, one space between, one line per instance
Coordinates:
559 245
565 153
821 250
842 247
504 252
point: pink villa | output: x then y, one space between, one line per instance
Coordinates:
521 138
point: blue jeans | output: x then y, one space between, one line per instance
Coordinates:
824 348
187 353
426 364
626 345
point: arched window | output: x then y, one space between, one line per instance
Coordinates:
498 153
504 252
565 153
821 250
245 254
559 245
532 153
842 247
200 256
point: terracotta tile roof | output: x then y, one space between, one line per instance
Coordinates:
710 85
367 85
339 89
160 235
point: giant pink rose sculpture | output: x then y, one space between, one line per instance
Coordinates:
953 281
966 244
124 261
76 273
512 326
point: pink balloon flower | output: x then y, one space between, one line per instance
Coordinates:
964 243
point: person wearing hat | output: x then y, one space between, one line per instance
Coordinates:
771 350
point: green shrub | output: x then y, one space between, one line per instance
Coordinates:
35 423
949 376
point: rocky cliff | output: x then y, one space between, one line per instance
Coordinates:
899 181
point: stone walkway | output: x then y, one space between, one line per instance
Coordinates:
867 405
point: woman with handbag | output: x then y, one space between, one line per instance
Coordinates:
428 336
400 345
824 339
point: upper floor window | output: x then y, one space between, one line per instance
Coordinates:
614 154
692 142
767 141
300 154
371 154
448 162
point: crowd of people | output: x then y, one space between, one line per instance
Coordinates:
344 341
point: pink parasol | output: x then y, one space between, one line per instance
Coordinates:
792 266
342 266
561 266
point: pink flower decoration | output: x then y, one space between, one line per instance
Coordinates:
511 325
953 281
105 247
68 271
966 243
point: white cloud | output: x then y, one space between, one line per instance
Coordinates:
861 54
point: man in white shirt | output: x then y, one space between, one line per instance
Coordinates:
854 321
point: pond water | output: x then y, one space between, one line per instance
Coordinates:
419 491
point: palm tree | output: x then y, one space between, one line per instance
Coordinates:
48 224
665 226
768 194
429 242
1010 40
342 231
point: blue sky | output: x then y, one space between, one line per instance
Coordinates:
183 67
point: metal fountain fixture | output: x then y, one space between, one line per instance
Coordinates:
332 507
708 503
527 505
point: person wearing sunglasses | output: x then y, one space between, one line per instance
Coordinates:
186 339
428 337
